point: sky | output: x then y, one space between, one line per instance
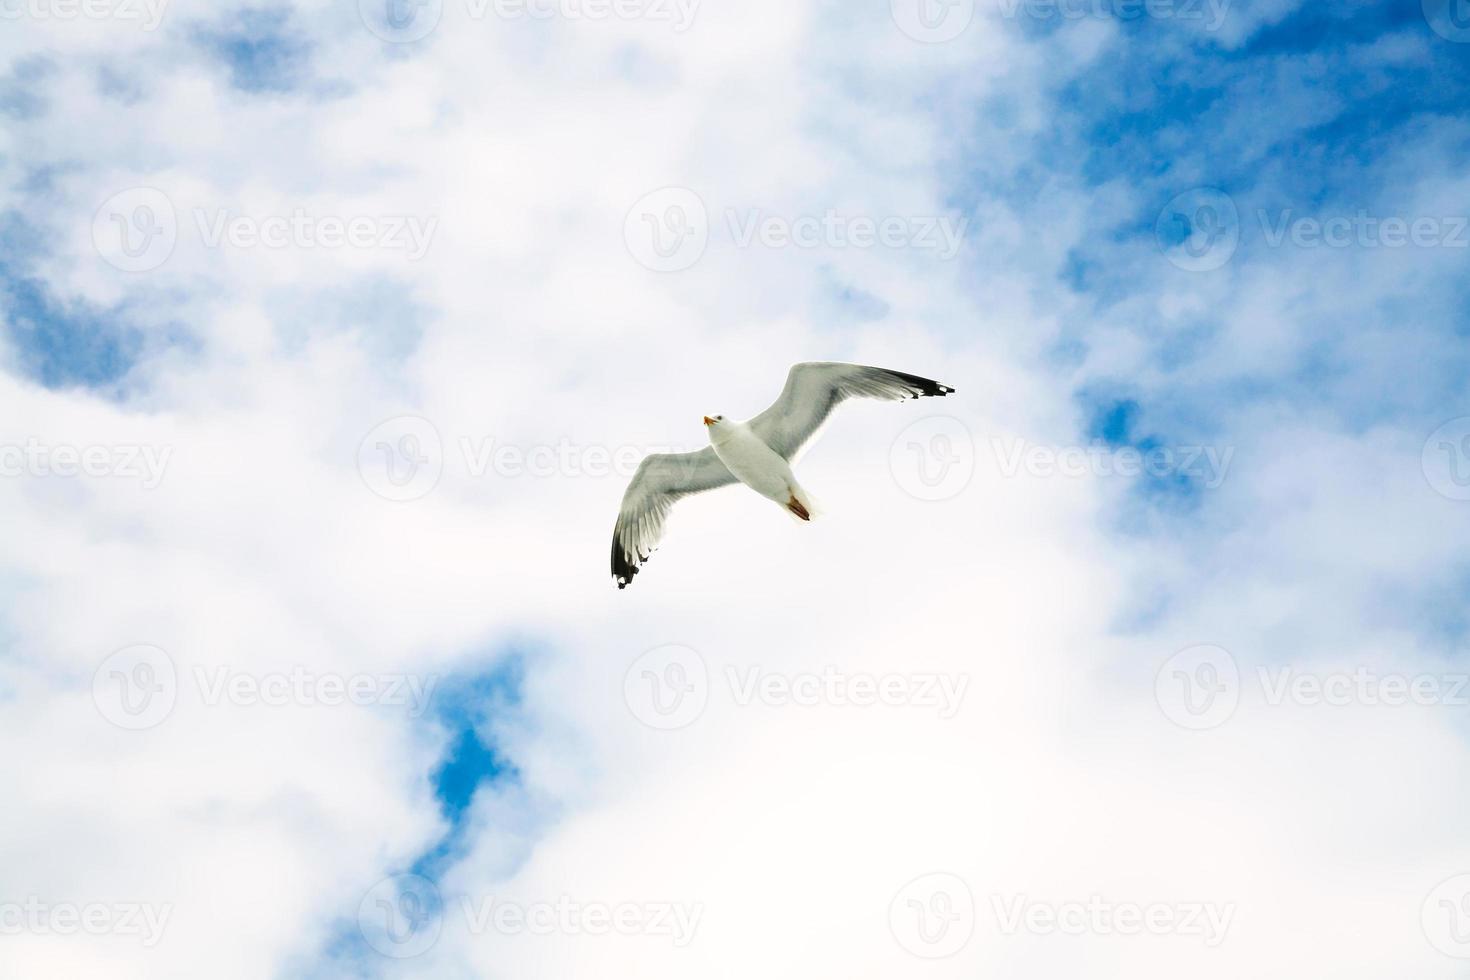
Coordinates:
331 334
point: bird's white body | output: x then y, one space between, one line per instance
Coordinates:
756 464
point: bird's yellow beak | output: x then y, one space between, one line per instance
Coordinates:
708 420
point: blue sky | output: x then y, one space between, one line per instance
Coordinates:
465 713
1089 156
263 52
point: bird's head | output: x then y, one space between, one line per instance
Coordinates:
716 423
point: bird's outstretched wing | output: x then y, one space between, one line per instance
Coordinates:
814 388
661 481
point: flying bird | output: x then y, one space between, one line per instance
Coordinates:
757 452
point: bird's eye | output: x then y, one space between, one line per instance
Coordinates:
719 418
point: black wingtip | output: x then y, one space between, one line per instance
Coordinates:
927 388
622 569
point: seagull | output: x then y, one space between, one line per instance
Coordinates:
757 452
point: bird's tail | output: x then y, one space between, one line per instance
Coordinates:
800 503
